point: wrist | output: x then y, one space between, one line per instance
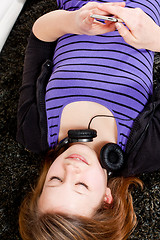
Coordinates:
70 25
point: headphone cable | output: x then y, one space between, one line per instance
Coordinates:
108 116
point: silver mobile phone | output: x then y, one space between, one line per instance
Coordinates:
100 17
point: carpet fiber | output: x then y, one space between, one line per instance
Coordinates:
19 168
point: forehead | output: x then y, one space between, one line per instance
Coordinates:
67 201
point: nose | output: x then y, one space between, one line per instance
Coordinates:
72 168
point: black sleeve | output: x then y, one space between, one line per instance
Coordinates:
143 149
37 69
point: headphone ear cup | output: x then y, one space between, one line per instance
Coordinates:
82 135
111 157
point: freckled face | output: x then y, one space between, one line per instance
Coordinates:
75 184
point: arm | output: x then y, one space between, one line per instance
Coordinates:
142 150
28 118
55 24
142 31
37 52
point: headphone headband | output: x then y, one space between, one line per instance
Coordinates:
82 135
111 154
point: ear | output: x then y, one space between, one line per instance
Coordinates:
108 196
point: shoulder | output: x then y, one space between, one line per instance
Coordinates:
142 150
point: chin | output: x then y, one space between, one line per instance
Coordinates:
81 146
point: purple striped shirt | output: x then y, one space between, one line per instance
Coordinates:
102 69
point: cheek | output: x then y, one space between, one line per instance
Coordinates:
55 168
97 179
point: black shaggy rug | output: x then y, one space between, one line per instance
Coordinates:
19 168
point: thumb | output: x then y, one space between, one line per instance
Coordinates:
124 32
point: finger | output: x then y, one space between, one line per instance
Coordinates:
91 5
117 11
121 4
101 28
125 33
103 5
107 28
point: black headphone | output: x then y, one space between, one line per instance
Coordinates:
111 154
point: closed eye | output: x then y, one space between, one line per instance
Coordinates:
83 184
57 178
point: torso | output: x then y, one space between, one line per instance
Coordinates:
98 73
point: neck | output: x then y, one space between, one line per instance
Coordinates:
106 132
77 115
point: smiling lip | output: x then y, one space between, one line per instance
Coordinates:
78 157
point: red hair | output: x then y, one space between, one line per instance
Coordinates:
113 222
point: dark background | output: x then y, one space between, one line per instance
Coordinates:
19 168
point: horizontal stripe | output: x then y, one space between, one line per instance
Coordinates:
99 89
100 58
122 144
103 43
123 115
103 74
104 66
100 81
53 108
122 134
53 117
126 126
99 50
53 126
71 96
52 135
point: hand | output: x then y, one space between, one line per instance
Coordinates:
89 26
142 31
